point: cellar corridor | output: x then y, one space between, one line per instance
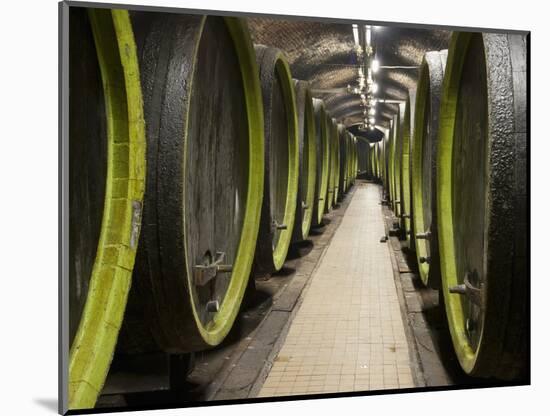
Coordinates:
290 208
348 333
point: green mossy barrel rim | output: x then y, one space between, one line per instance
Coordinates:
275 61
306 122
322 180
93 346
501 347
429 87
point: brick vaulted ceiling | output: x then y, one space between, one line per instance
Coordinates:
323 54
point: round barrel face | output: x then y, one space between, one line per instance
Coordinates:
216 166
343 141
87 161
396 163
331 130
423 165
480 222
323 159
106 170
308 163
205 166
337 151
282 160
278 156
406 206
469 180
426 169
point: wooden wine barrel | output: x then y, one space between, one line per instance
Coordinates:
332 179
203 113
482 202
395 162
424 157
282 160
307 161
337 151
376 159
375 149
106 174
343 161
365 152
355 166
387 161
350 163
405 173
323 159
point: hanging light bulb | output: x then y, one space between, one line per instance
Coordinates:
355 34
372 111
371 120
375 65
368 34
374 87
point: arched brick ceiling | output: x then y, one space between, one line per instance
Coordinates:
322 53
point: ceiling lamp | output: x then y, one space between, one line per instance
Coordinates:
375 65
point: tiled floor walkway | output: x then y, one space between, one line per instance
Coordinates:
348 334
